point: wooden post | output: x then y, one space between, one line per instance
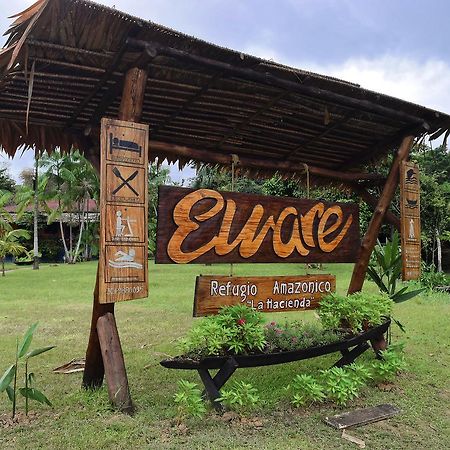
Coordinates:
114 364
370 238
130 110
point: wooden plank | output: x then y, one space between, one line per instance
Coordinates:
266 294
123 266
371 236
206 226
116 375
362 416
410 220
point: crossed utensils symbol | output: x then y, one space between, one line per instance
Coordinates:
125 182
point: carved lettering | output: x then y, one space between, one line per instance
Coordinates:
303 234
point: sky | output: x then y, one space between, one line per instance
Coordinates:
397 47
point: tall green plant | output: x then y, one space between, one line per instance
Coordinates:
10 244
385 269
10 376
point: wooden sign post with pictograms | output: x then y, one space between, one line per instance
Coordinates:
123 267
410 220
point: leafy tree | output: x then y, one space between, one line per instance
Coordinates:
219 179
435 199
157 176
9 238
33 192
6 182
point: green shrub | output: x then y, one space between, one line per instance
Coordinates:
341 384
189 400
385 269
391 363
306 389
241 396
235 330
356 312
430 278
297 336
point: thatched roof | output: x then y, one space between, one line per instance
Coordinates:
64 63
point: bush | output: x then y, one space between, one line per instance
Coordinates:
50 249
189 400
235 330
297 336
356 312
307 390
240 396
430 278
341 384
385 269
391 363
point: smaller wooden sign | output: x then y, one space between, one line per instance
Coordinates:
266 294
410 220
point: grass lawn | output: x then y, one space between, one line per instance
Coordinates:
60 298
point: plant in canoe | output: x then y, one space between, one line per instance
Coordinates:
9 380
235 330
356 312
239 330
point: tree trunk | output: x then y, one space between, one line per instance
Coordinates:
77 249
70 241
66 251
35 217
439 251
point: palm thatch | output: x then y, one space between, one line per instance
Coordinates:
63 67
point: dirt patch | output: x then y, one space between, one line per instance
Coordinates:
6 421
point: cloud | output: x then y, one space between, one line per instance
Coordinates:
426 82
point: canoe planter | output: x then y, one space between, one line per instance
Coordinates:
349 348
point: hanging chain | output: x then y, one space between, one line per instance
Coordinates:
306 167
234 163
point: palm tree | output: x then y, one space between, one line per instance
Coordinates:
74 183
37 196
10 244
9 238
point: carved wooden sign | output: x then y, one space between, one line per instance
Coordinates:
206 226
123 265
265 294
410 220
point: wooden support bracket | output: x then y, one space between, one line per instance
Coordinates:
370 238
372 201
213 385
348 356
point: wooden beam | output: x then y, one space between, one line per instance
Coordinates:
239 126
315 139
273 80
130 110
372 201
370 238
186 105
271 164
385 144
